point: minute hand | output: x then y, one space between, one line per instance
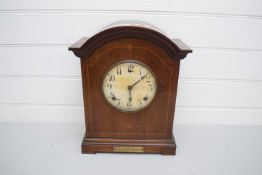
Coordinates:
138 81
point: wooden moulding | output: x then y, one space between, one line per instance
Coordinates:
175 48
162 146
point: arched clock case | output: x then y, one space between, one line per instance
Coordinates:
129 78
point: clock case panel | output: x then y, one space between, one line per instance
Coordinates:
150 128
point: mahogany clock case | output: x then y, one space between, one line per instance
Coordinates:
148 130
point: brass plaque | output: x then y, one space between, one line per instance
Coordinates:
128 149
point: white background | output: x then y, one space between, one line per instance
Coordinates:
41 104
220 82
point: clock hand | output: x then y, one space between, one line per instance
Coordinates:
130 97
130 87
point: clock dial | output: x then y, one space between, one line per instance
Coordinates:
129 86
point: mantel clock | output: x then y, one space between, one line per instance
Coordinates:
129 77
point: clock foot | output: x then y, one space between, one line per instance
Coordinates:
88 152
109 145
169 151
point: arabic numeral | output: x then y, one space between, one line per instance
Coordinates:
131 68
148 76
118 71
128 104
112 78
108 85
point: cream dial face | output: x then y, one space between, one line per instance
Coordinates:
129 86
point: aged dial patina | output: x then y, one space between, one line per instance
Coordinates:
129 86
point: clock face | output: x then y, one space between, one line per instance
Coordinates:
129 86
